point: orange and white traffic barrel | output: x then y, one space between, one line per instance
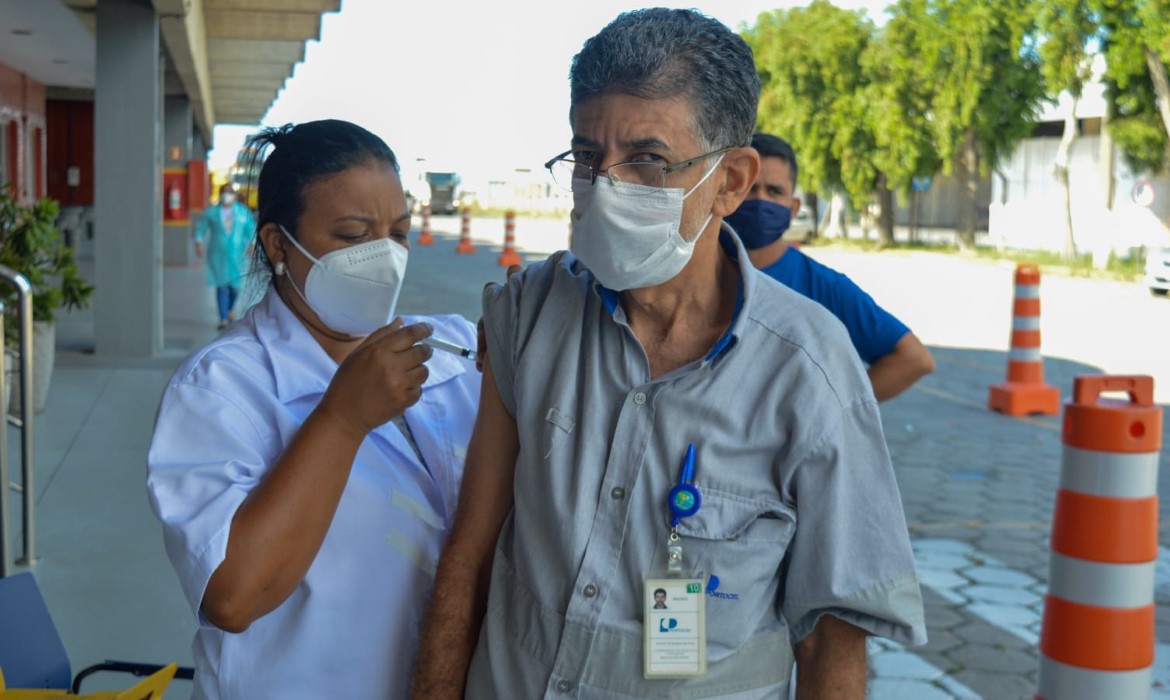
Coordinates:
1097 634
1025 392
465 244
509 256
424 235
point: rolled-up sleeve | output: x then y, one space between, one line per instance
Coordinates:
205 457
851 554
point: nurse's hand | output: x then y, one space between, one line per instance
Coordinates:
380 379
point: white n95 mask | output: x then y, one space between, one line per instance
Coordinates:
354 290
628 235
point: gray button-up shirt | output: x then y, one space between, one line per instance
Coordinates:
800 510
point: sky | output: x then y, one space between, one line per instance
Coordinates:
477 87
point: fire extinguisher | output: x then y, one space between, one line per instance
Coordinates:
174 200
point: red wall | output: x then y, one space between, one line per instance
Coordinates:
22 113
70 145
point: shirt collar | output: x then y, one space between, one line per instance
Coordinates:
731 245
301 367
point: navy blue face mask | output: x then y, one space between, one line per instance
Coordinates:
760 222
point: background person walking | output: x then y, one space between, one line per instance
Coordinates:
226 232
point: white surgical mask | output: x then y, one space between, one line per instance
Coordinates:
227 199
354 290
628 235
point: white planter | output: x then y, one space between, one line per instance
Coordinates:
44 353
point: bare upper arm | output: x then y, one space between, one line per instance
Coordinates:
486 494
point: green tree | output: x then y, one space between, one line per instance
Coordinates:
899 106
809 60
1135 37
979 58
1066 28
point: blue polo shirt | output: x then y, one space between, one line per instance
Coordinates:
872 330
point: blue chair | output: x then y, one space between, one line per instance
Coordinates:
31 652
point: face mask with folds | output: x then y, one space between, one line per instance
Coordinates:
354 290
628 235
759 223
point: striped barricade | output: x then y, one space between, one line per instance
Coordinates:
509 256
465 244
1097 635
424 236
1025 392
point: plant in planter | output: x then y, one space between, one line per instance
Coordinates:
31 244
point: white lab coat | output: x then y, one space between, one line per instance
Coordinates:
350 629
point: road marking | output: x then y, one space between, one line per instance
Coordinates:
955 398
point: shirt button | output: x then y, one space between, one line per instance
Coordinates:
639 398
618 493
590 591
564 686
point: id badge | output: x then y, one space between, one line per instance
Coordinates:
675 626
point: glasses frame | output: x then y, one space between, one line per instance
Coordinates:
666 169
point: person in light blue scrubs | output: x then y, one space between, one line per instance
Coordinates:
225 233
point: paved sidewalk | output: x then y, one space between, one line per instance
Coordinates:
977 488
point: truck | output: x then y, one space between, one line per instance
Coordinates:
445 192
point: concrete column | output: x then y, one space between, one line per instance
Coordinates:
177 126
128 181
198 148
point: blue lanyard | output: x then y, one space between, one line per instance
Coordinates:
685 499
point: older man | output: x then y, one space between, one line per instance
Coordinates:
626 441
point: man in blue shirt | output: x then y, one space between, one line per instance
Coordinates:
895 357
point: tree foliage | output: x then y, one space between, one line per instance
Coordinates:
899 99
984 68
952 85
1067 29
1128 28
809 60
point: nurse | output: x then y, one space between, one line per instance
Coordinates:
305 464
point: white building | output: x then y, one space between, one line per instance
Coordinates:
1114 209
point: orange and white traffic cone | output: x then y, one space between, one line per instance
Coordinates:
1097 634
510 257
1025 392
465 244
424 236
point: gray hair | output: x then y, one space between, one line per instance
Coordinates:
659 53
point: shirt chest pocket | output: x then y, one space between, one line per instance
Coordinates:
738 543
557 428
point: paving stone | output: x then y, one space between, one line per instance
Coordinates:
986 657
903 664
997 575
979 632
942 562
939 641
886 689
941 578
999 594
957 689
997 686
1003 615
943 616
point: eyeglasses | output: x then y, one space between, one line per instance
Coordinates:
646 174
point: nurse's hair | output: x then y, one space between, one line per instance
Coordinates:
295 156
657 53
